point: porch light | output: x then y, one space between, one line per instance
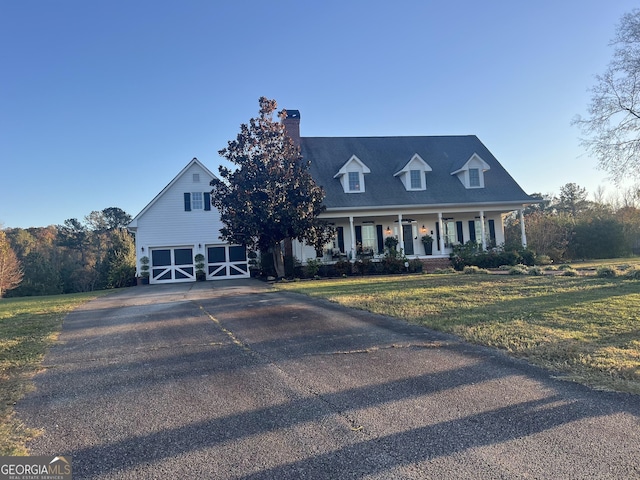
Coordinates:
423 229
142 249
388 230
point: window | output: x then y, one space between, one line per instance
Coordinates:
354 181
197 202
369 241
196 178
449 233
474 177
416 179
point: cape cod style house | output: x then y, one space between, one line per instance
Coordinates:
450 188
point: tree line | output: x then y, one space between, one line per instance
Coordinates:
78 256
572 227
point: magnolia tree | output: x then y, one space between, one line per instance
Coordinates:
270 196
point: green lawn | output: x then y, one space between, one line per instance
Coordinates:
584 327
28 326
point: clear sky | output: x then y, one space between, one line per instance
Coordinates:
102 103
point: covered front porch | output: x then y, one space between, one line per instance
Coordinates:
426 234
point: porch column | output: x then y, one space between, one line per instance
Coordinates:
400 233
353 238
484 233
441 243
523 234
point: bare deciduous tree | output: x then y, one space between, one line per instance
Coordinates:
10 268
612 128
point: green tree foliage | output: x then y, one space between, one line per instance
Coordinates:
612 126
573 200
270 196
77 256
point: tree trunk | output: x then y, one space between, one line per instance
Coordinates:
278 260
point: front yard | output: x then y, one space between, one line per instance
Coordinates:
585 328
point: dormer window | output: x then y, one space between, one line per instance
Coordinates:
354 181
416 179
413 174
351 175
471 175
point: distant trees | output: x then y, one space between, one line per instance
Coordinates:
271 196
571 227
612 128
10 269
77 256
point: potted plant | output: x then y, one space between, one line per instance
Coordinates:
201 276
144 270
392 245
427 241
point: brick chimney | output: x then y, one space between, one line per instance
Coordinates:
291 124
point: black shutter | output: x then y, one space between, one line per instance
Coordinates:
459 232
340 239
492 233
437 235
358 229
187 202
380 239
207 200
472 231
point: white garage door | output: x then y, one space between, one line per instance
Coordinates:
176 264
170 265
227 261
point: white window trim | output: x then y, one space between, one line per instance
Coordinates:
353 165
415 163
463 173
199 196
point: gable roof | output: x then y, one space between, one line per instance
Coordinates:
385 156
194 161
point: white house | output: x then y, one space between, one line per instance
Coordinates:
448 187
180 223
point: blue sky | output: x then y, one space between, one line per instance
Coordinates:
102 103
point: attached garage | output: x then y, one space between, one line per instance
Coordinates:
180 223
177 264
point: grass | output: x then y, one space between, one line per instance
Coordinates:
28 326
585 328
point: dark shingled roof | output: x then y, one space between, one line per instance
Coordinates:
385 156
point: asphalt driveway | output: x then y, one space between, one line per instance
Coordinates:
229 380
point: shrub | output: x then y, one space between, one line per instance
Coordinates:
518 270
606 272
444 270
569 272
543 260
633 273
536 271
342 268
313 267
391 264
415 266
472 270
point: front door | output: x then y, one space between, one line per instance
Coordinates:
407 236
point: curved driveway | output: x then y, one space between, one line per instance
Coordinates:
229 380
